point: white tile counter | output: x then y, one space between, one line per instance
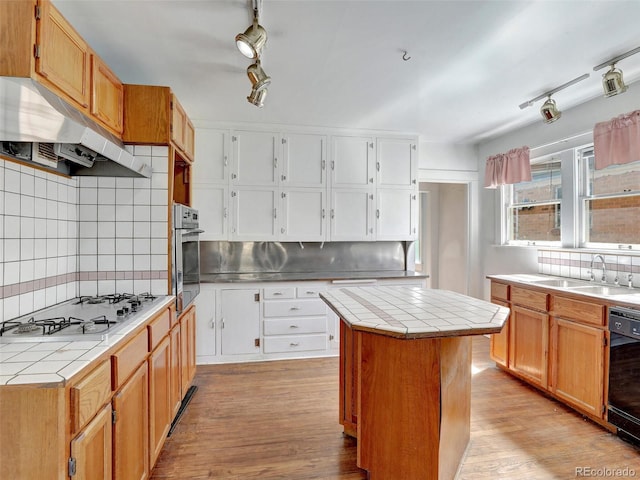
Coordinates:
54 363
413 312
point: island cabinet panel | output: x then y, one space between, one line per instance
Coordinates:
577 365
92 448
529 344
349 379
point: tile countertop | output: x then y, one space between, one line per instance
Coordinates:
413 312
620 295
307 276
52 363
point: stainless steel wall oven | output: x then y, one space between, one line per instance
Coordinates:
624 372
185 273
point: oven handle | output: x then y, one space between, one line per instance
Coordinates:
195 231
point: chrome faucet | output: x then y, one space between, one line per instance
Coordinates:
603 279
630 280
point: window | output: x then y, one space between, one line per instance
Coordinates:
610 203
533 208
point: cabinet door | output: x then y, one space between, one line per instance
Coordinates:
206 321
255 213
178 123
352 164
499 347
351 215
212 164
396 164
303 215
63 58
107 95
189 138
160 411
255 158
239 321
395 214
577 365
212 202
304 160
176 385
91 449
529 344
131 428
187 348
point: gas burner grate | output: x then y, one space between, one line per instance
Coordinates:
8 325
87 326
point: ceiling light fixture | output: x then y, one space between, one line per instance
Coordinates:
251 42
612 81
549 109
259 81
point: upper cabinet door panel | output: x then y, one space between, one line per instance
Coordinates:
303 214
352 162
255 159
394 214
255 213
304 160
63 59
212 156
396 163
107 95
350 217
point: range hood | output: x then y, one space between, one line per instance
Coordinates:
31 113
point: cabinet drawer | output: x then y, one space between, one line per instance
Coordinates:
295 308
158 329
584 312
500 291
308 292
295 343
126 360
530 298
282 292
89 395
289 326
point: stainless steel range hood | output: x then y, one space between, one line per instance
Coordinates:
31 113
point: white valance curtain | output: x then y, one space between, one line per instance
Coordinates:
617 141
507 168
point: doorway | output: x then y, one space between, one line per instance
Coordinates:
444 235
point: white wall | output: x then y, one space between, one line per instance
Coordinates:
571 130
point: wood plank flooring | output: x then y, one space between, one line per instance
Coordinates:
279 421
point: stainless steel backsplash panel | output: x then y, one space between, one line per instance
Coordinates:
247 257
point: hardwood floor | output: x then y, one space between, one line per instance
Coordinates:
279 420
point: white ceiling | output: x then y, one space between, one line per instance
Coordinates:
339 63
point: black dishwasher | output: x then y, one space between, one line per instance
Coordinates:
624 372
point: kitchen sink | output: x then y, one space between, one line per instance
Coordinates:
604 290
561 282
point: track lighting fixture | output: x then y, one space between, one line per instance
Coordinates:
251 42
259 81
549 109
612 82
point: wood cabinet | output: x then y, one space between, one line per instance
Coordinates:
154 116
176 385
556 342
160 408
187 348
91 449
107 95
349 379
131 427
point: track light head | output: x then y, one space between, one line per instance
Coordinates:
252 40
549 111
612 82
257 97
258 78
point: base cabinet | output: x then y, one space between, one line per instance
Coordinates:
187 348
91 449
131 428
529 344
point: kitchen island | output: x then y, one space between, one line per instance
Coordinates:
405 376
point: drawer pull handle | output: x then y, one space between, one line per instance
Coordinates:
310 292
293 326
277 293
295 308
294 344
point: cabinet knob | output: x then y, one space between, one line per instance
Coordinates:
225 212
234 176
371 231
323 213
294 308
275 213
371 180
378 166
332 213
226 161
283 177
370 144
378 213
294 344
293 326
414 181
282 230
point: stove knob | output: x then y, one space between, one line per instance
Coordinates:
120 312
134 307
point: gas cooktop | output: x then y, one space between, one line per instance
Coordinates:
82 318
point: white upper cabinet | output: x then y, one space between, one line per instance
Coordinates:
212 156
212 202
396 162
304 213
255 158
353 161
255 213
351 214
396 214
304 160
